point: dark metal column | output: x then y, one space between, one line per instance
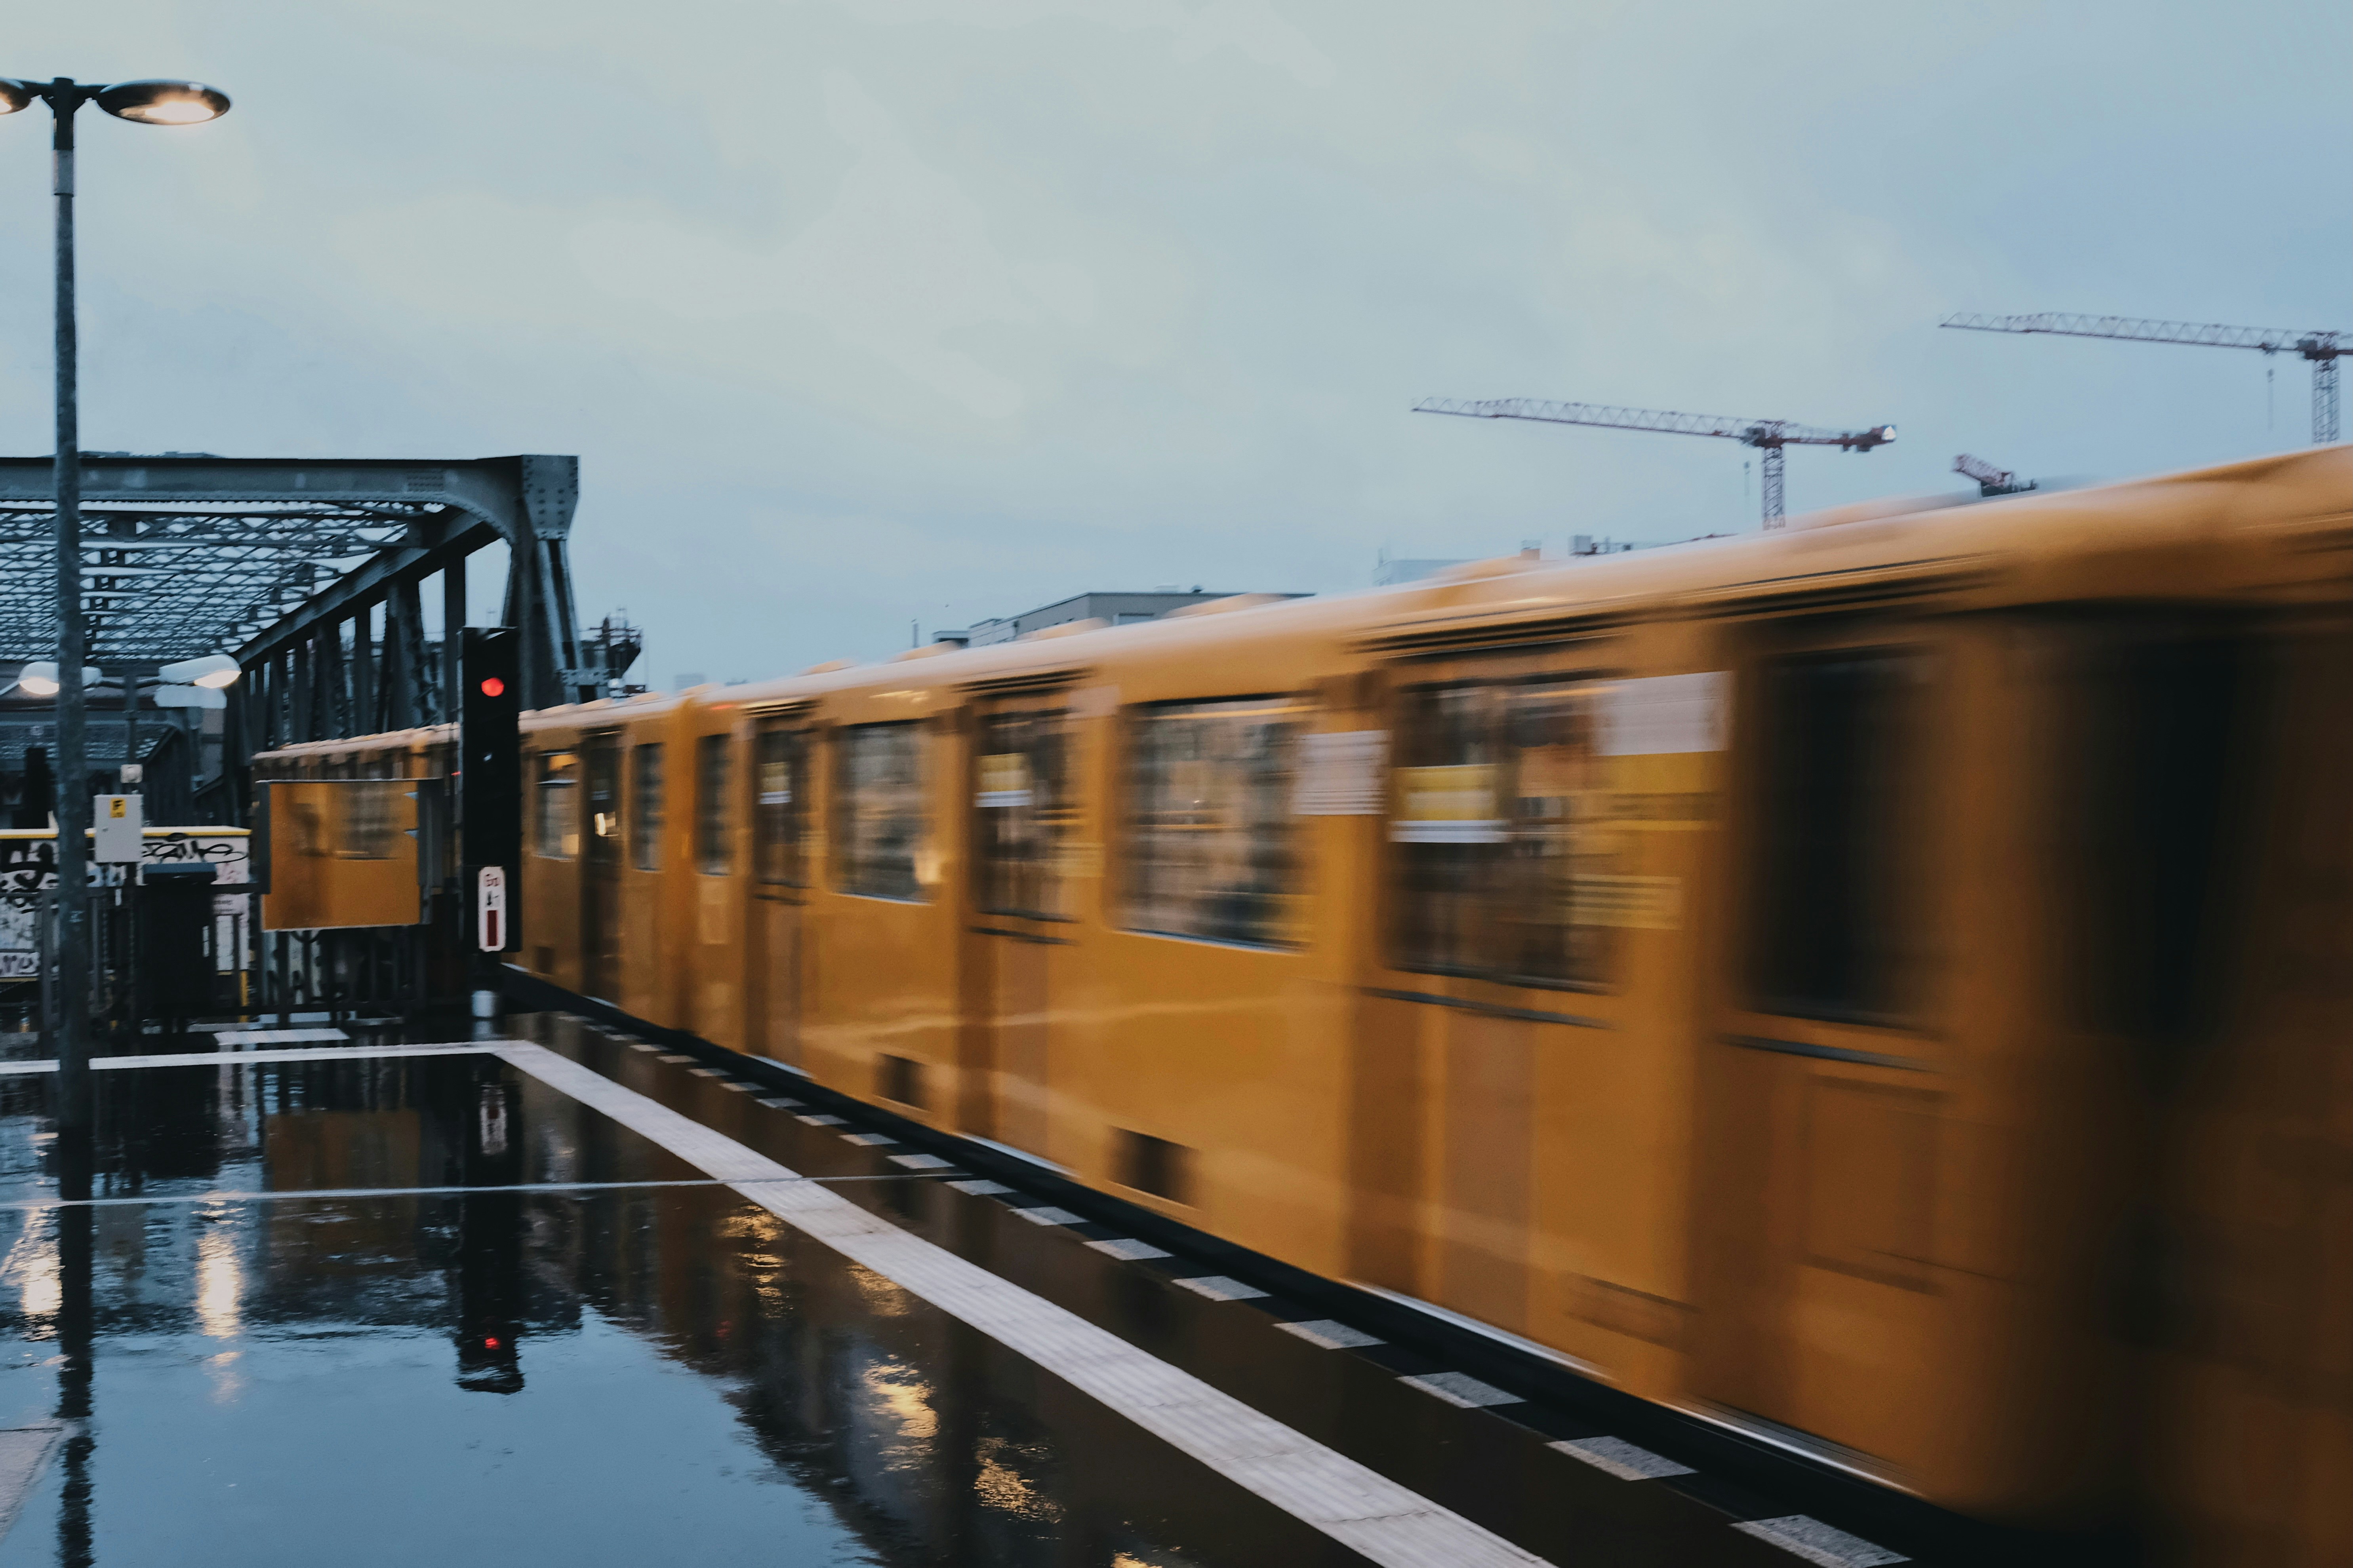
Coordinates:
334 684
404 625
73 1108
301 718
365 713
453 621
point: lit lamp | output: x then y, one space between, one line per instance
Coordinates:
200 682
197 682
39 678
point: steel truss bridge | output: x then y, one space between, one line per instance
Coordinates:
312 571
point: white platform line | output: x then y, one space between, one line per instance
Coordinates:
1357 1507
278 1037
23 1454
309 1054
297 1195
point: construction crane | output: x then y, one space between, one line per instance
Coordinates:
2323 349
1992 481
1768 435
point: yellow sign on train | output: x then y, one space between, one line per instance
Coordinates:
1451 804
342 852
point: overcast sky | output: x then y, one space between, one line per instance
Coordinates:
861 312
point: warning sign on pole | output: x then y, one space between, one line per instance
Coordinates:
116 824
491 909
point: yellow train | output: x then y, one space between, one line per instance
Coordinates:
1882 985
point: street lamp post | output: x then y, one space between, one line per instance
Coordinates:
148 103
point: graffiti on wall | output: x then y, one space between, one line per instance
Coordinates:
29 866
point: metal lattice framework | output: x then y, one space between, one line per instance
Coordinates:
165 581
2324 349
309 571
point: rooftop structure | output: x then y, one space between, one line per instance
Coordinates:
1113 609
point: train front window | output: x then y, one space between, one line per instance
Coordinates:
713 759
558 796
880 821
648 809
1503 844
780 806
1209 847
1834 907
1022 811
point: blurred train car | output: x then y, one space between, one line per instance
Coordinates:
1881 985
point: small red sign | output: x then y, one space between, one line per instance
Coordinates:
491 909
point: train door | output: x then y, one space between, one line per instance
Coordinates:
2192 1040
1022 813
600 880
1517 1066
1871 763
780 813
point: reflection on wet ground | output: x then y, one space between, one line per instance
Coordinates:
429 1308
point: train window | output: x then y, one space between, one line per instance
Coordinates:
1023 811
880 817
648 809
713 853
1835 912
1501 832
558 774
2163 732
781 805
371 807
605 805
1210 850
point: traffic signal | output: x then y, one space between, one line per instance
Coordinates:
489 753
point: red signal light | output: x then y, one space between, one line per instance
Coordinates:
490 1341
494 687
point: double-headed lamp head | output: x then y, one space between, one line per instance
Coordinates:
39 678
213 670
163 102
148 102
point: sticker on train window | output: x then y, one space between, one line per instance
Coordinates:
1004 780
1661 714
1340 774
1450 804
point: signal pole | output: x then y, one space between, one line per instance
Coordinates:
489 799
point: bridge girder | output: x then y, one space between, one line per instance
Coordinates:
284 562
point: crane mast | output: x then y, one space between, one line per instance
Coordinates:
1769 437
2323 349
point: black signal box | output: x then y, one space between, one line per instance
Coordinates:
490 748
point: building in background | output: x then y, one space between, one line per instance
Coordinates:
1112 609
1388 574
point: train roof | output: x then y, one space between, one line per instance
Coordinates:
2290 490
1921 530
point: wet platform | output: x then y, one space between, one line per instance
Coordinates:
564 1297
